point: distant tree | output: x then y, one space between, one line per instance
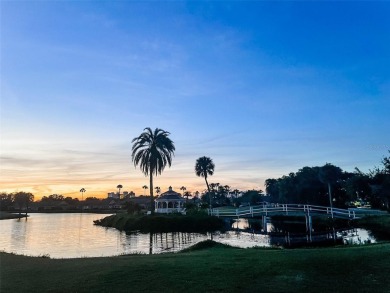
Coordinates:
187 194
272 189
119 190
144 188
72 201
82 190
158 190
380 184
183 188
204 166
197 194
329 174
132 207
6 201
152 151
23 199
91 198
227 189
53 197
357 187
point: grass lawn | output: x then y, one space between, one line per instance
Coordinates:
215 269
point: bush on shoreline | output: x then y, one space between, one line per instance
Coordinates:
199 223
378 225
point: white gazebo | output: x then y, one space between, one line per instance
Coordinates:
169 202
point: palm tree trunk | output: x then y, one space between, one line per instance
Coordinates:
151 194
330 195
208 188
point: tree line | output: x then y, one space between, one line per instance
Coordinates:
21 199
330 185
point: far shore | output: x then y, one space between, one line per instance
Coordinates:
7 215
17 215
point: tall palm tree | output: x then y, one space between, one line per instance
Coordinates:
152 151
183 188
82 190
119 190
144 188
204 166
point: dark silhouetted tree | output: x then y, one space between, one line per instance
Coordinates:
329 175
152 151
204 167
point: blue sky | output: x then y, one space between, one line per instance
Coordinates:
263 88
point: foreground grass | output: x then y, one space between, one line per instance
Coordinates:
209 268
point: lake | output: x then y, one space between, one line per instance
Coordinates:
70 235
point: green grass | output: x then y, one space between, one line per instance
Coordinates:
212 268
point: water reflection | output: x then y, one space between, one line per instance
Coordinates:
74 235
294 232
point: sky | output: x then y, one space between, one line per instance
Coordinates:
263 88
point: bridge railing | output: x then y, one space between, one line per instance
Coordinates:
265 210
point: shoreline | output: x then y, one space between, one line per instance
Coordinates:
10 216
16 215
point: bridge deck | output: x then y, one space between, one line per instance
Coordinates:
286 209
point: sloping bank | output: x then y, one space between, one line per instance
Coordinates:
198 223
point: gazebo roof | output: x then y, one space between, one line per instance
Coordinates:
170 195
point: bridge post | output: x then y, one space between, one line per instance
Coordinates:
264 220
309 225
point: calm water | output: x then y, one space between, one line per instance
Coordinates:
74 235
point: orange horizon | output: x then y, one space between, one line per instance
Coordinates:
40 191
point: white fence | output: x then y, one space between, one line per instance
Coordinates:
285 209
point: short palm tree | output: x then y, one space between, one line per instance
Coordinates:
183 188
144 188
204 166
152 151
119 190
187 194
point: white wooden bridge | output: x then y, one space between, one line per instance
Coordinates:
286 209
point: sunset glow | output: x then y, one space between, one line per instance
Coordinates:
262 88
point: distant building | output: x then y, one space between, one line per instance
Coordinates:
116 195
113 195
